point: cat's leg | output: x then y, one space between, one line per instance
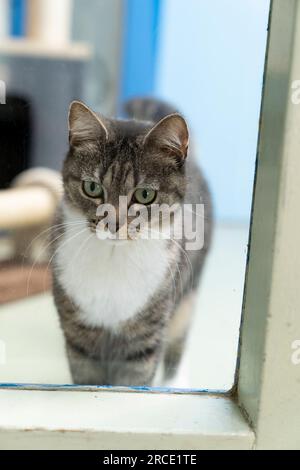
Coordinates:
84 369
177 334
134 369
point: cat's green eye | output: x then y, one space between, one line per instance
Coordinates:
92 189
145 196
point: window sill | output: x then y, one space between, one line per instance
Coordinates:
120 420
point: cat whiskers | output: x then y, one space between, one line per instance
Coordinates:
83 244
197 214
173 280
186 258
189 264
49 230
69 239
44 249
173 260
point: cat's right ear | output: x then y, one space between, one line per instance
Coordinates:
85 125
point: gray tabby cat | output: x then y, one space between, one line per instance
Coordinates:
125 306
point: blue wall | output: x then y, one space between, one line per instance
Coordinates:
18 9
140 42
211 62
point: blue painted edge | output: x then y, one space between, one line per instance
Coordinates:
88 388
140 47
18 10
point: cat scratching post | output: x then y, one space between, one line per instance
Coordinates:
50 21
25 207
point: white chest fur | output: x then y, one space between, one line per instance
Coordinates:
110 284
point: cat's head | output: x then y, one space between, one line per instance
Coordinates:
108 158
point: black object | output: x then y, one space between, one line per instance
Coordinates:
15 136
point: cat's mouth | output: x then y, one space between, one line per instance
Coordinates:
117 238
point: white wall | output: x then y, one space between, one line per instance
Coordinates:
211 63
4 11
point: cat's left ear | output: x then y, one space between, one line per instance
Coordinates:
85 125
170 134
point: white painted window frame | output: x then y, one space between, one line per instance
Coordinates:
263 410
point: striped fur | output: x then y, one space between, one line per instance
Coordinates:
123 342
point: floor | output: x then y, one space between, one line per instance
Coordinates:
31 343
